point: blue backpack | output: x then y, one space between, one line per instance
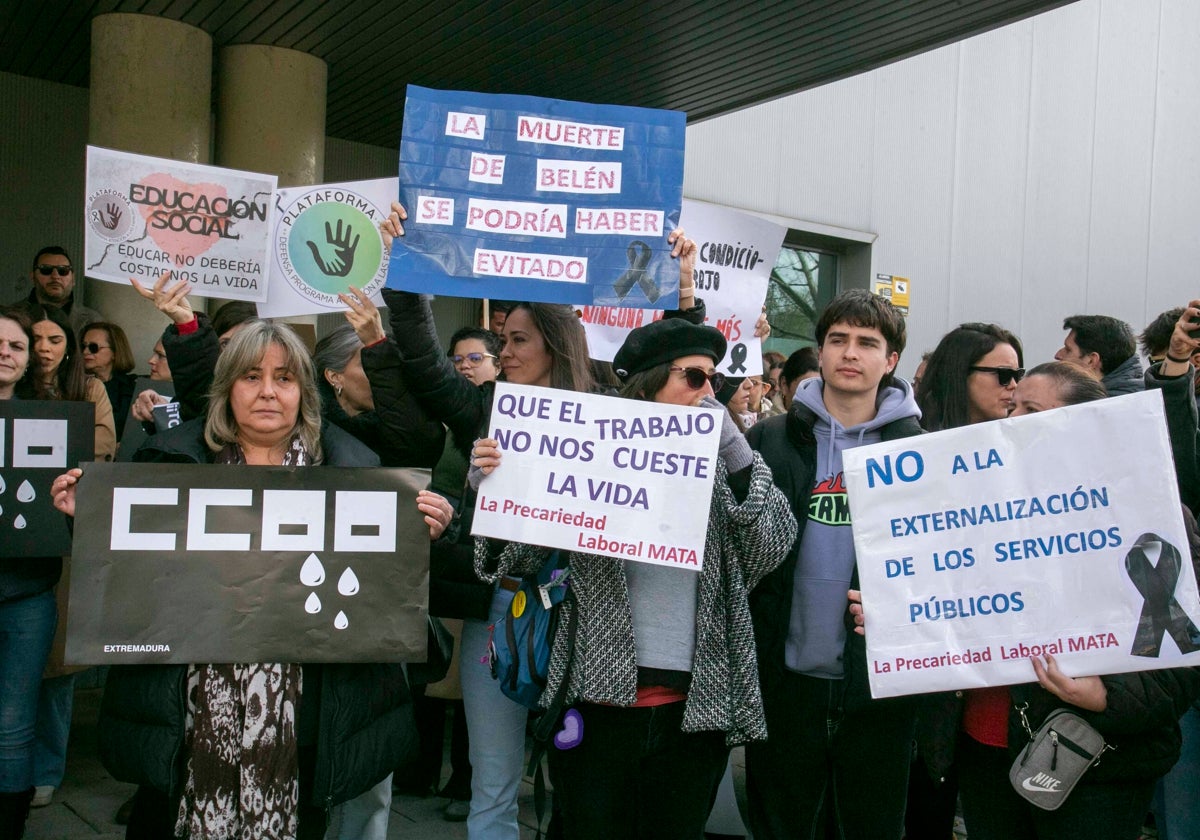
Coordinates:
521 641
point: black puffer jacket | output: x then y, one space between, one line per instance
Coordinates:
361 714
463 406
1141 721
1180 405
192 359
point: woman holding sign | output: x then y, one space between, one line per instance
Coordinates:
969 378
27 609
1137 713
544 345
260 749
662 676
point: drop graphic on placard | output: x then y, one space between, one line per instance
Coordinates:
19 522
341 622
3 486
312 573
348 582
313 604
25 492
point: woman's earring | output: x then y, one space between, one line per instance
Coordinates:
338 390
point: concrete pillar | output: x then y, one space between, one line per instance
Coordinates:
151 94
271 112
271 118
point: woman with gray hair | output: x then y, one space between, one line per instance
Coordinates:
241 775
361 394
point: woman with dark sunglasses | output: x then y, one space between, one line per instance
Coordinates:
970 377
662 677
108 357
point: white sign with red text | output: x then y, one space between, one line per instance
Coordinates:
1056 533
600 475
736 254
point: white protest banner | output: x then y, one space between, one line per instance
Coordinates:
219 563
736 254
600 475
147 215
1059 532
324 239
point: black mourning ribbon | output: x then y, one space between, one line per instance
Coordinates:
737 358
1161 613
638 253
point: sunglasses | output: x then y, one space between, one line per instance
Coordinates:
1004 375
696 378
473 358
94 348
60 270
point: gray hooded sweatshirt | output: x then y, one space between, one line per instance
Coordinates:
816 632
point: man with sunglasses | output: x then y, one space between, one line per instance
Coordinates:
835 762
53 280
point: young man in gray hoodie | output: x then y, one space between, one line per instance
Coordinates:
834 758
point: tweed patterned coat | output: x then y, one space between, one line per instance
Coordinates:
745 542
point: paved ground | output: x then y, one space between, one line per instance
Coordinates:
83 808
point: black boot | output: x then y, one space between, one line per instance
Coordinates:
14 808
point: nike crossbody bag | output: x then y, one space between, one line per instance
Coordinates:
1055 759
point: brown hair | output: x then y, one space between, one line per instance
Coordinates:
122 353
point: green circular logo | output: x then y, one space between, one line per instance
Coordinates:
333 245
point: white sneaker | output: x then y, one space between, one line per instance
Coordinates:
43 795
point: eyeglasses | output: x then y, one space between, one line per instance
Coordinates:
473 358
696 378
1004 375
60 270
94 348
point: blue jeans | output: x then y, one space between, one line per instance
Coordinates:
496 730
1177 802
26 633
55 705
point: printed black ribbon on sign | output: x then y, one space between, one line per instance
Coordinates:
1161 613
639 254
737 358
179 563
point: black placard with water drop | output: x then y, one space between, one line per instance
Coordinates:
39 441
178 563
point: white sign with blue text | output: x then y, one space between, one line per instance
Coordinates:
1056 533
600 475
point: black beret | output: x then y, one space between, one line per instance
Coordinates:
664 341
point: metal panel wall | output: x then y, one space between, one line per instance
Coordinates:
1173 247
912 180
1052 165
1055 282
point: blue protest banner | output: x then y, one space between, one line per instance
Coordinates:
526 198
